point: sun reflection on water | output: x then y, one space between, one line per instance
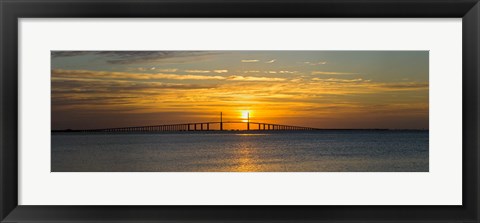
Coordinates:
245 160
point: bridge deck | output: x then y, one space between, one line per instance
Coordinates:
203 126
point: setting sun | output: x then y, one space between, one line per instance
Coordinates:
245 115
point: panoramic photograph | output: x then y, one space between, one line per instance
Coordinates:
240 111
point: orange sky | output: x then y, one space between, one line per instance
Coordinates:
322 89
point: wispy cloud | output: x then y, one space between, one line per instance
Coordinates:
249 61
69 53
357 80
198 71
331 73
126 76
315 63
87 74
363 86
207 71
144 68
271 61
405 86
172 70
277 72
250 78
154 69
133 57
287 72
77 85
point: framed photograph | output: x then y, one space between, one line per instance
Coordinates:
228 111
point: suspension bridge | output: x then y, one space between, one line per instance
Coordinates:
205 126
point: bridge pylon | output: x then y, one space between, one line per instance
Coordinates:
221 122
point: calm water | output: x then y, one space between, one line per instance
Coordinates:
315 151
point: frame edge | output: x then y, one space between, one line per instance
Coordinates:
9 109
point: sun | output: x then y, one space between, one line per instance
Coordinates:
245 115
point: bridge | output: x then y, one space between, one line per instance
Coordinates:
205 126
201 126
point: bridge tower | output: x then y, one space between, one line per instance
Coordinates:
221 122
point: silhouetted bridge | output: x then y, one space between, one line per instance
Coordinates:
203 126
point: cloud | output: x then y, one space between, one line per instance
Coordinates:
287 72
107 86
315 63
340 80
126 77
145 68
249 61
279 72
206 71
87 74
167 70
132 57
362 86
296 80
186 77
250 78
404 86
256 61
198 71
331 73
56 54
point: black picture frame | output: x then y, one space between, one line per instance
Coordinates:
12 10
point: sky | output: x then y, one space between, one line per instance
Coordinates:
320 89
